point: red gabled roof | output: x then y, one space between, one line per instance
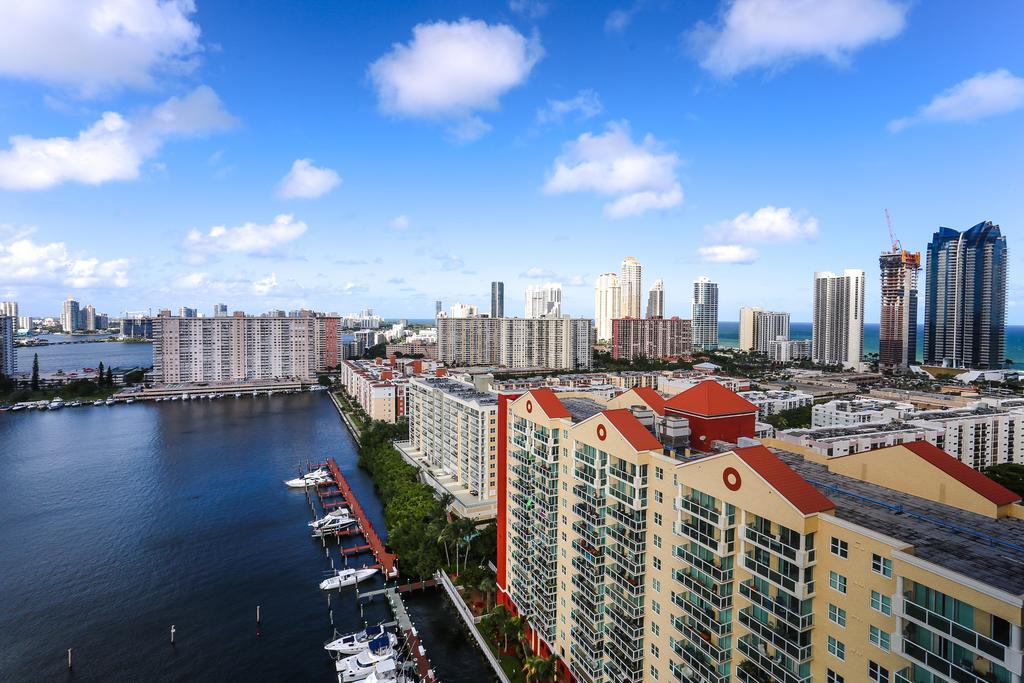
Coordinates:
549 403
632 431
651 397
710 399
780 476
965 474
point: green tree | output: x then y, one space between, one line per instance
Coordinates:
99 374
110 377
35 372
540 669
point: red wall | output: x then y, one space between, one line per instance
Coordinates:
719 429
501 580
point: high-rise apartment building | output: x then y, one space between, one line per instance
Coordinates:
705 314
897 332
631 284
497 299
636 563
543 301
8 356
463 311
556 343
9 308
656 300
965 298
186 312
220 310
837 331
70 320
243 348
437 308
759 328
607 304
87 319
651 338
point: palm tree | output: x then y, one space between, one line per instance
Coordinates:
487 586
540 669
511 628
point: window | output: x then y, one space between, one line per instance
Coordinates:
837 582
840 548
837 615
881 565
879 637
659 473
656 585
657 518
877 673
654 672
657 541
655 629
657 563
658 497
881 603
832 677
836 648
655 607
655 651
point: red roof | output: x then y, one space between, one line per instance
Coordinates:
549 403
710 399
965 474
632 431
652 398
785 480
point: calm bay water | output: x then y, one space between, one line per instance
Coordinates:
74 357
117 522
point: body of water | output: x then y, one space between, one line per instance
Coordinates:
116 523
75 357
729 337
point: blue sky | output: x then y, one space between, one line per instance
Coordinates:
340 155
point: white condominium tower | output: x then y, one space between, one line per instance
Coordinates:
837 333
69 316
607 303
759 328
543 301
656 300
630 281
705 314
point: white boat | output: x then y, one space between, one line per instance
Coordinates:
347 577
130 400
354 643
109 401
386 671
317 476
359 667
238 394
332 524
98 403
56 404
19 406
174 398
340 511
74 404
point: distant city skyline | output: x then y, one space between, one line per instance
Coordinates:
139 174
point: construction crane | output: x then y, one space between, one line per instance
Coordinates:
896 245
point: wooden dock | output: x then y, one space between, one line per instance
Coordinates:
385 558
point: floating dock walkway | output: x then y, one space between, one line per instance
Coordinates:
385 558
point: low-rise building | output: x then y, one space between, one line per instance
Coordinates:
789 350
380 386
859 410
776 401
680 380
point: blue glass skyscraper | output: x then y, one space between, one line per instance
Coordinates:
965 298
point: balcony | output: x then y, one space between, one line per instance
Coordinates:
777 607
779 635
705 617
690 530
717 596
770 666
701 640
962 672
712 569
696 659
790 584
773 544
693 507
968 637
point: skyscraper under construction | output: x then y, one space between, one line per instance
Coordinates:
897 342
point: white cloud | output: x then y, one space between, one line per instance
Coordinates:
767 224
618 21
585 105
401 222
450 261
532 9
111 149
95 45
727 253
306 181
264 286
22 259
639 177
986 94
250 238
538 273
775 33
450 70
